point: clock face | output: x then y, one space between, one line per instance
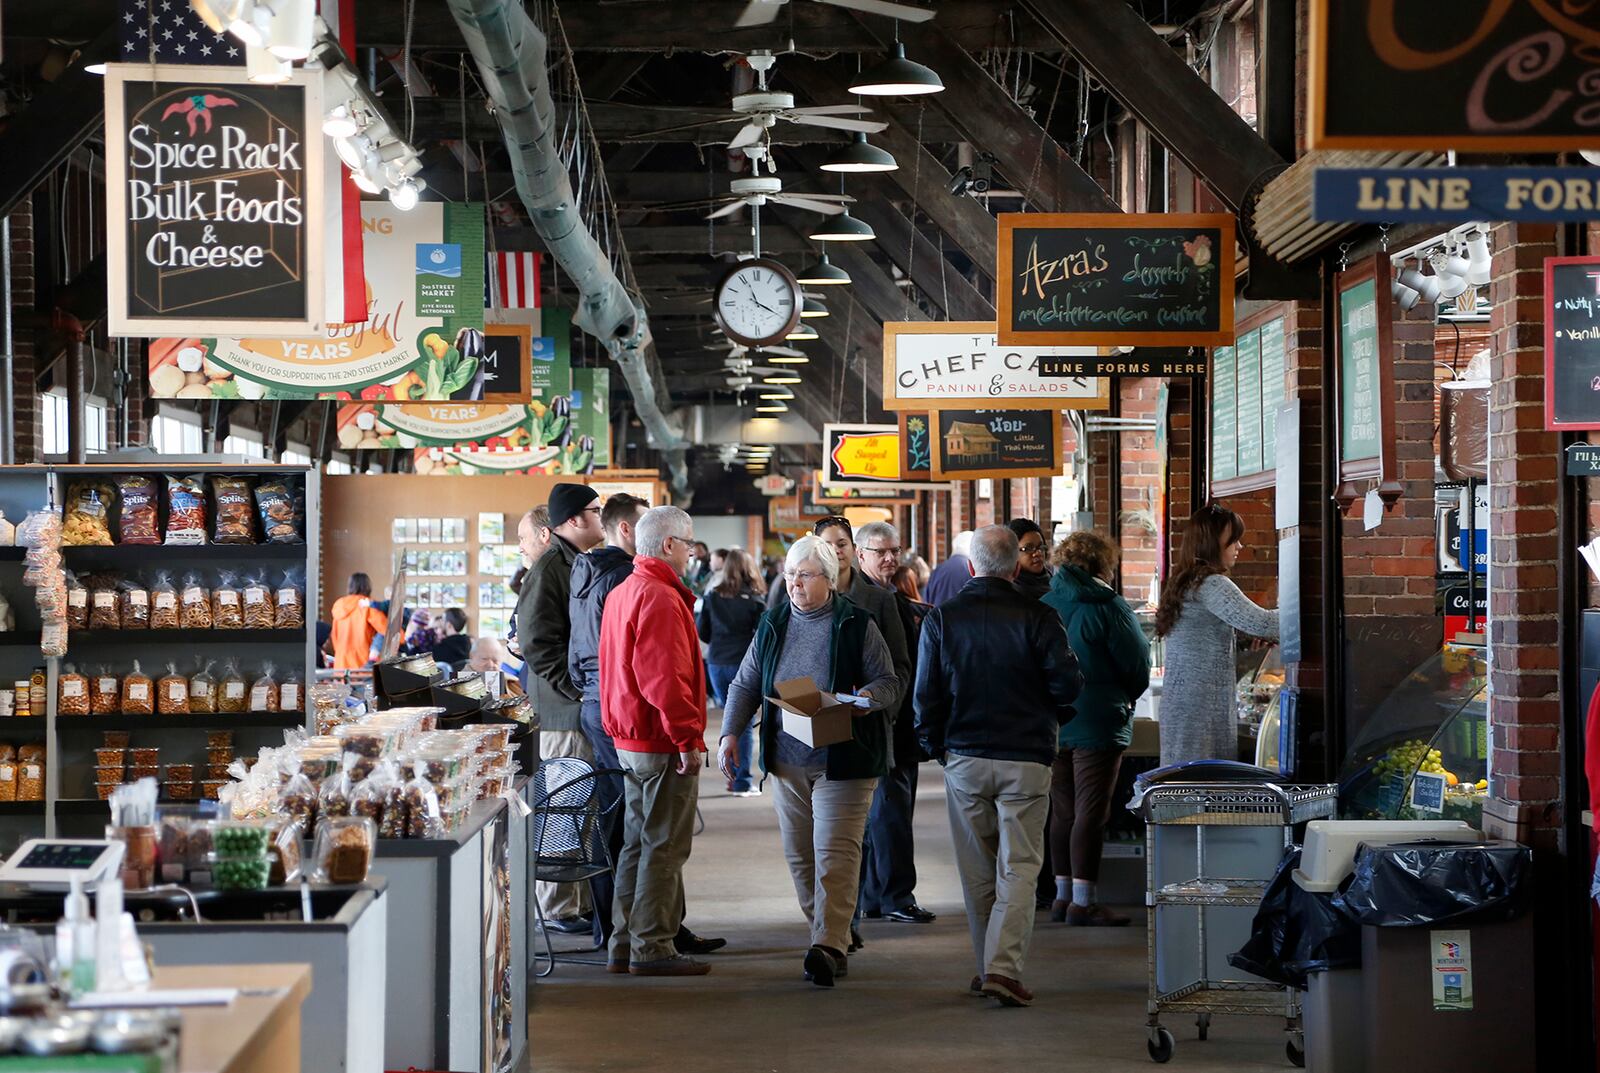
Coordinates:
758 302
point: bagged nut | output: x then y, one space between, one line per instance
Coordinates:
290 611
203 691
227 612
72 691
134 600
104 607
77 603
138 692
297 798
233 692
8 780
186 511
30 780
235 521
194 606
164 603
105 695
259 613
264 695
343 849
172 697
88 518
137 523
334 797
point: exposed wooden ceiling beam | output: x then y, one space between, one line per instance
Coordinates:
613 73
874 287
682 240
921 260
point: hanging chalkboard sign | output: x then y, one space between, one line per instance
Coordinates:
214 202
1364 373
1224 415
1110 279
1247 389
916 446
1572 343
504 374
993 443
1274 390
1502 75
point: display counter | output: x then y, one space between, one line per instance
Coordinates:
258 1033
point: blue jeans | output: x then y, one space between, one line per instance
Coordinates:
722 675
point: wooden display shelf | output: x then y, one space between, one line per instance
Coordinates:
201 721
181 555
191 636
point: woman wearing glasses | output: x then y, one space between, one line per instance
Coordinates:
1200 615
822 795
1033 576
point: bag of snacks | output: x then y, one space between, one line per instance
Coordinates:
72 693
194 603
105 606
235 521
30 777
333 799
105 692
138 522
264 692
226 611
291 692
8 779
297 798
343 850
172 697
39 529
88 520
424 819
289 611
258 610
164 603
186 511
284 850
134 600
77 603
368 797
233 692
203 691
138 692
276 507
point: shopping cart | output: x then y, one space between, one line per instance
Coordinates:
1234 833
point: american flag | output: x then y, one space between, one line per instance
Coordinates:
166 31
513 280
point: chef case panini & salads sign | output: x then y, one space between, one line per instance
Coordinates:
932 365
211 184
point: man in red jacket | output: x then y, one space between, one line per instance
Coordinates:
653 704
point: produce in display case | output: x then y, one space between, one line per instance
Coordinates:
1434 724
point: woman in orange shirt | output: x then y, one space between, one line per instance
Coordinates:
355 623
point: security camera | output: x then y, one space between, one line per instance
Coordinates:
959 180
976 178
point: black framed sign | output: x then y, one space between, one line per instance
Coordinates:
1139 362
1247 388
214 191
507 363
968 444
1364 372
1572 343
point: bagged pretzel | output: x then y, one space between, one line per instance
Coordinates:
172 692
138 522
194 603
276 507
235 520
88 518
259 613
77 603
134 605
227 610
264 691
203 691
164 603
289 603
186 511
138 692
233 692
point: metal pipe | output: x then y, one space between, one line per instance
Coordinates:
8 436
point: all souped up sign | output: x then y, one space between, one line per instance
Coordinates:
212 184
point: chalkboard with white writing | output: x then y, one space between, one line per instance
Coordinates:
1115 279
1572 342
968 444
1364 375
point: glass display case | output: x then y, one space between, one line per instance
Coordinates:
1436 721
1260 681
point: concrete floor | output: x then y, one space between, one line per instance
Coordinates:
902 1007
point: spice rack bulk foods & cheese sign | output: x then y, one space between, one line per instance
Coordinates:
211 186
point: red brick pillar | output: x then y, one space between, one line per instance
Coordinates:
1136 468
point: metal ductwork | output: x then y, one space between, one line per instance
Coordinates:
511 53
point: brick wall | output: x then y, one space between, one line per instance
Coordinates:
1524 706
1137 470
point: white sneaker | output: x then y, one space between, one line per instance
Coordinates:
754 791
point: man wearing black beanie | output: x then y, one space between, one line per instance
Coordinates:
544 627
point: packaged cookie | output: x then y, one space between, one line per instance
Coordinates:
289 602
259 613
164 603
233 692
227 611
264 691
186 511
88 517
172 692
275 505
235 519
77 603
138 522
72 693
134 605
105 606
194 603
203 691
138 692
105 696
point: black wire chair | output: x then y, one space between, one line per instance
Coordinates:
570 822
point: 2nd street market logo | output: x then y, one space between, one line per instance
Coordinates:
215 198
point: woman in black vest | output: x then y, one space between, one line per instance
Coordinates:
822 794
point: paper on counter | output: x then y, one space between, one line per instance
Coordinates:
186 996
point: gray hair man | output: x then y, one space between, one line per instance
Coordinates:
995 680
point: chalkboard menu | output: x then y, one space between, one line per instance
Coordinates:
1499 75
1109 279
504 373
1224 415
1572 343
214 199
996 443
1248 386
1274 390
1364 370
1247 389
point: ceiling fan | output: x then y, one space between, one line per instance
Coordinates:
740 352
758 112
756 192
762 12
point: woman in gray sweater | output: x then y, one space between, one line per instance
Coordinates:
1201 613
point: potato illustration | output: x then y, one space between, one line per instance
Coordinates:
167 381
194 391
349 436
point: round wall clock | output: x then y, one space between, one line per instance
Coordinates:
757 302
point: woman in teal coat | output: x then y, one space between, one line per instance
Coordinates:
1115 659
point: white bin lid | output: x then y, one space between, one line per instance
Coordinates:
1330 846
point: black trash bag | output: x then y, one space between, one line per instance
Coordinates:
1296 932
1416 884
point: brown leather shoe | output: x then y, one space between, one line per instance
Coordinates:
618 966
1094 916
678 965
1009 992
1058 910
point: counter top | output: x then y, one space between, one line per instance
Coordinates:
248 1033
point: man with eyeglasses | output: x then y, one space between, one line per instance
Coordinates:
888 859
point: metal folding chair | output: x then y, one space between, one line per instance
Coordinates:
570 836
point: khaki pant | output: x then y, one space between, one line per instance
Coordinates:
563 901
657 832
997 818
822 821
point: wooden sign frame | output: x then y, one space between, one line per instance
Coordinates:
1266 477
524 334
941 472
1226 223
908 472
830 476
1550 422
1381 468
892 400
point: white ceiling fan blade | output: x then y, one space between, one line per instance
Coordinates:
759 12
749 134
828 109
865 126
902 12
726 210
840 198
826 208
784 351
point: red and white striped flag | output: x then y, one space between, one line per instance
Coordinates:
514 280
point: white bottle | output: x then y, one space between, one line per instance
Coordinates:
75 943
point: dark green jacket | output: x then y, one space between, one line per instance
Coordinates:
1112 654
865 757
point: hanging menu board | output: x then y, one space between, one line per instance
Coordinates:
1274 391
1247 384
1365 373
1247 389
212 184
1110 279
969 444
1224 415
1572 343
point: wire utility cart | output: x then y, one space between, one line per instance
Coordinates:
1234 834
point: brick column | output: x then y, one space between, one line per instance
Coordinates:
1136 474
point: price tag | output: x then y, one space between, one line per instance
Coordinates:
138 596
228 597
138 691
234 690
105 599
194 594
289 697
178 690
254 596
258 698
72 687
288 596
108 685
78 597
166 600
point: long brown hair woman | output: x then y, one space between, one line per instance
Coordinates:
1200 614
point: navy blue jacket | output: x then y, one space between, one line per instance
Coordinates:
594 575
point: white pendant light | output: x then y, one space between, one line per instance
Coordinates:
788 359
293 29
263 67
823 274
803 332
781 378
1427 287
843 228
860 156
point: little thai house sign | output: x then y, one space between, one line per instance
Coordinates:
930 365
212 183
